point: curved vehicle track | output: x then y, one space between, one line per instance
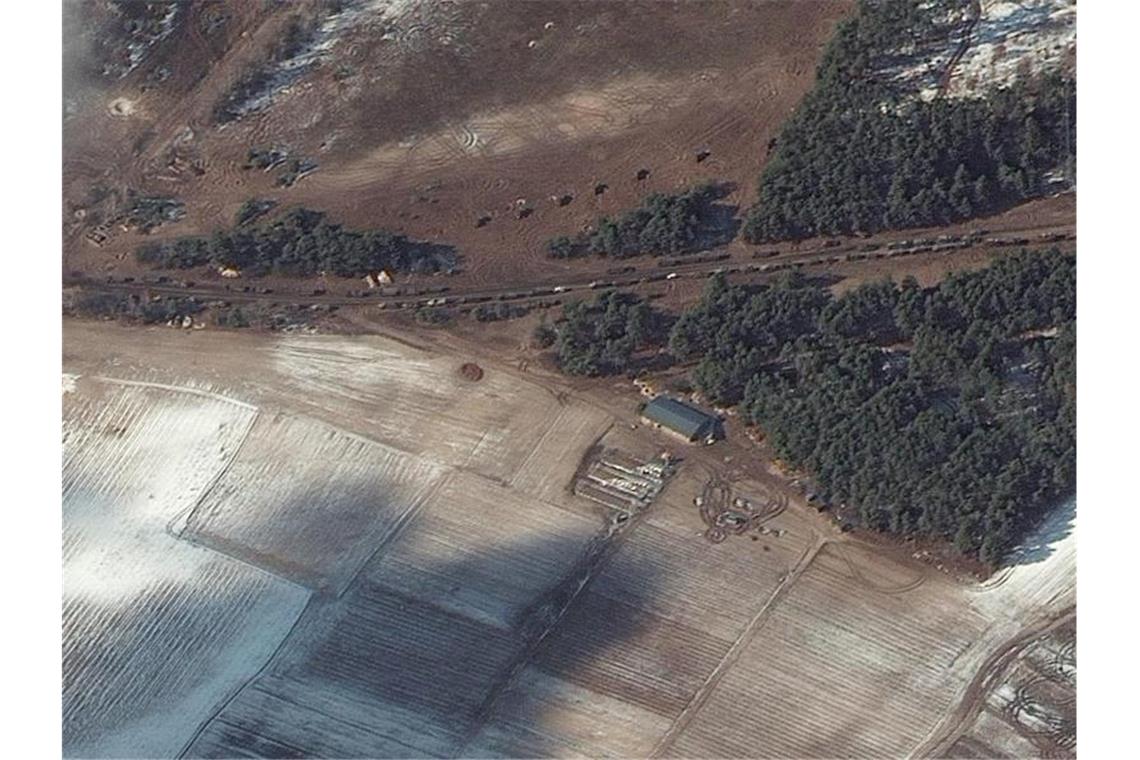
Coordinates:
867 582
974 698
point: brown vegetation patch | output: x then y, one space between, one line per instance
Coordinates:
471 371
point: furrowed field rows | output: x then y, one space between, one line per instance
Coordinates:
483 551
469 605
621 651
416 654
610 675
647 632
314 518
112 430
421 672
991 736
422 637
278 716
418 402
1029 706
714 588
546 716
155 631
548 470
837 671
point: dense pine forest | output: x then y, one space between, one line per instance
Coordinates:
600 338
858 156
947 412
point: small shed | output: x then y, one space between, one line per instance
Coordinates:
680 418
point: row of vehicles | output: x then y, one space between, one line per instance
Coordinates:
433 296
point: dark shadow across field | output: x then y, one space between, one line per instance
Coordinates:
392 669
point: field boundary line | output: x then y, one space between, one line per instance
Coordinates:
312 601
176 526
179 388
188 513
440 466
700 697
300 408
596 555
398 527
213 544
315 600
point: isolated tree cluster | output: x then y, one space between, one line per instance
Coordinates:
947 412
859 156
253 209
132 308
663 224
301 243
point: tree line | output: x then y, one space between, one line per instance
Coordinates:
131 308
858 156
946 412
302 243
662 224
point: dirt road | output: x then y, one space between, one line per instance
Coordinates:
632 276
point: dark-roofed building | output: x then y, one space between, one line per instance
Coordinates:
680 418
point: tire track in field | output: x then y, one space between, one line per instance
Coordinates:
858 575
973 698
733 654
178 389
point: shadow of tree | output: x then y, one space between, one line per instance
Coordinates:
719 221
1039 544
427 257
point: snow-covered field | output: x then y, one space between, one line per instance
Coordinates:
433 516
1012 39
415 401
157 633
1041 573
308 501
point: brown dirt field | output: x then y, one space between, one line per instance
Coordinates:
457 101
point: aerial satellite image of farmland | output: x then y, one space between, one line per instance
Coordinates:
569 378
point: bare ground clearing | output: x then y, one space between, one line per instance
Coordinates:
422 117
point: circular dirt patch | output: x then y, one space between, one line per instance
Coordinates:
471 371
122 107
